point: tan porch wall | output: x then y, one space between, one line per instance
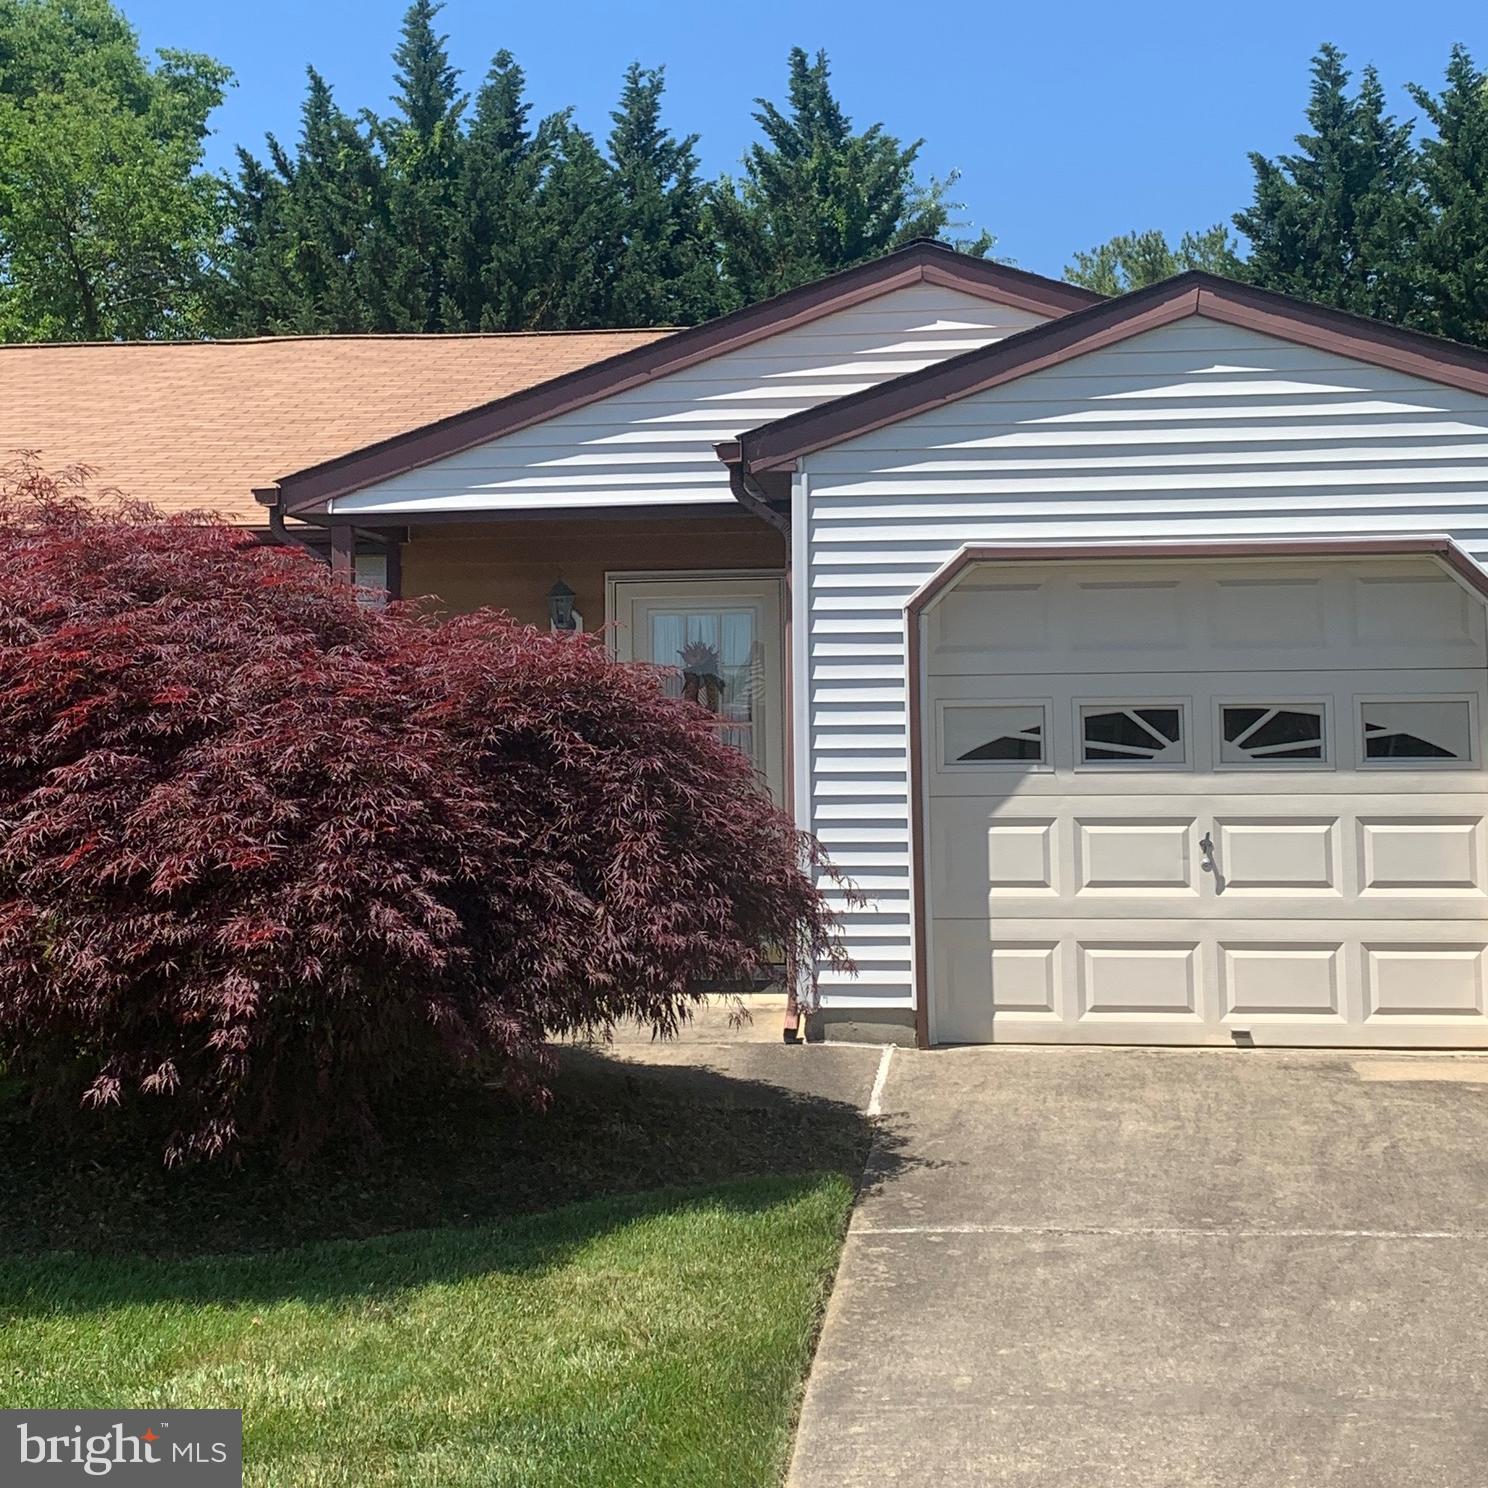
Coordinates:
513 564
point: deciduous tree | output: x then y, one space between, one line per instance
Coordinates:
107 221
1135 259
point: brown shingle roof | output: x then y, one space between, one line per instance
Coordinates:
199 424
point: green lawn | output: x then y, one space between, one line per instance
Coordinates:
620 1292
649 1339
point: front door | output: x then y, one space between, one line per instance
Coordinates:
718 637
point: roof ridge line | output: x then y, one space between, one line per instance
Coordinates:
426 337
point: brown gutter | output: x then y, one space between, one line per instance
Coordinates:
1446 552
282 535
749 493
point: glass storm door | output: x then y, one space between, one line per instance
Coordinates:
718 640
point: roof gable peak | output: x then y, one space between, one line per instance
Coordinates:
1195 292
306 492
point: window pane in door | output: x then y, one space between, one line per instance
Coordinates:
713 658
1139 733
994 734
1271 734
1420 729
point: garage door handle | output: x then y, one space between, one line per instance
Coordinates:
1206 846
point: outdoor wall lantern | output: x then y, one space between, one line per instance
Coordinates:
561 612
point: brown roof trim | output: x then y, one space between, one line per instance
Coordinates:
1446 552
319 522
919 262
779 444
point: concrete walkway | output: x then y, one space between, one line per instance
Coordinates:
1149 1268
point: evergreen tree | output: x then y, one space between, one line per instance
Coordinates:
1135 259
422 147
1341 220
251 295
817 196
311 250
580 232
540 234
667 273
494 239
448 216
1453 265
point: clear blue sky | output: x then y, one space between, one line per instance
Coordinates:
1068 121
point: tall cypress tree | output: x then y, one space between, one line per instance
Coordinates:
1453 265
422 146
817 195
425 220
493 241
309 252
251 293
541 227
667 273
1340 221
580 228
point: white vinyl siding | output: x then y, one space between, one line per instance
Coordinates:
653 445
1196 430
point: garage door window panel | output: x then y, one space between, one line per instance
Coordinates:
1273 735
1416 733
1137 734
994 734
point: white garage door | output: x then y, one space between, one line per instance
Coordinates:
1179 803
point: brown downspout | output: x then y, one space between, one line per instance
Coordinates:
749 495
283 534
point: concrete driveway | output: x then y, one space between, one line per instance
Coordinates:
1134 1267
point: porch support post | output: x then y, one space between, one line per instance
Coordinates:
343 552
395 570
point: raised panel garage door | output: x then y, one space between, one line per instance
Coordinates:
1190 803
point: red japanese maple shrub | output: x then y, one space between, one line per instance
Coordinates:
644 855
269 857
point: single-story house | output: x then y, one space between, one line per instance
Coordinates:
1128 654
